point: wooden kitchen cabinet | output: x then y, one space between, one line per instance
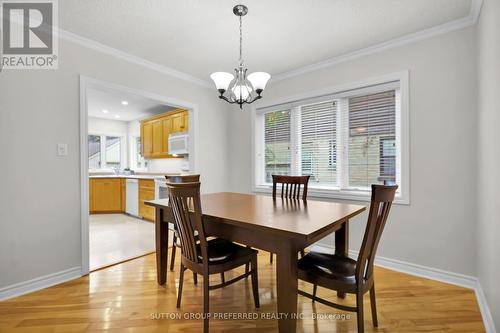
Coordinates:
155 132
146 192
107 195
179 122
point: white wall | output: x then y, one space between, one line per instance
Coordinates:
40 192
438 228
104 126
489 154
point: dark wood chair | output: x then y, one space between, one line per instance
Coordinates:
346 275
206 257
290 189
175 243
175 238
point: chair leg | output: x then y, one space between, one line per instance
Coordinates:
373 304
247 269
174 248
195 278
315 288
222 279
359 305
271 258
205 303
255 283
181 282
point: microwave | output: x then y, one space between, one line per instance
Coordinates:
178 144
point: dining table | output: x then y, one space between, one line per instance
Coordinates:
281 226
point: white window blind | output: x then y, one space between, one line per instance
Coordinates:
371 126
277 144
345 141
318 144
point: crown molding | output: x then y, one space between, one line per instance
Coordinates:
470 20
458 24
91 44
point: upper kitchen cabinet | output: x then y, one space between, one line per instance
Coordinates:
180 122
155 132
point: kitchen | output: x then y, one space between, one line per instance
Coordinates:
133 143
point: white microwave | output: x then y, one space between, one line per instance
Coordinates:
178 144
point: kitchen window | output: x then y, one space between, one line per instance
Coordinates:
106 152
345 141
137 160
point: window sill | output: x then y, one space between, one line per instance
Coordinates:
333 194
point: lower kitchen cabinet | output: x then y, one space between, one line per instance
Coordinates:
146 192
107 195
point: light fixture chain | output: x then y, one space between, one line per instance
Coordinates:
241 43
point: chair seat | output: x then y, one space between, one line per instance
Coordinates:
221 251
316 266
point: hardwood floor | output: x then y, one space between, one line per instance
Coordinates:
126 298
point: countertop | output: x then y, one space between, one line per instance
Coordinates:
135 176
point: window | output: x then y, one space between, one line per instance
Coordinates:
106 152
277 143
137 161
318 144
345 141
94 152
113 152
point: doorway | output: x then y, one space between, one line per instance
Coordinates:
113 170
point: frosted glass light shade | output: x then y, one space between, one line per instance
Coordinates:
241 90
222 80
259 80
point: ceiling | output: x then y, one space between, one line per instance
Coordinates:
199 37
111 100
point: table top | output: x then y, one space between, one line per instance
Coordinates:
289 216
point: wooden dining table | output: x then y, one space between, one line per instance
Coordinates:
280 226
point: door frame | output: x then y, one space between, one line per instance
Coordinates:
88 82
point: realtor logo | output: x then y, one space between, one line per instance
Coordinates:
28 34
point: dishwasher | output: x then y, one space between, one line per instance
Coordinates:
132 197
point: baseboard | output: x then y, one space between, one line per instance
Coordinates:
42 282
431 273
489 324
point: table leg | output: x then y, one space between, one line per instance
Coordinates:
342 244
161 235
287 283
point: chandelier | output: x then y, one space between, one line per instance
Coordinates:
240 88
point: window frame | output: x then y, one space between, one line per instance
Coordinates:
399 80
123 151
134 153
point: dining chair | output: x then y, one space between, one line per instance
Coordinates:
206 257
347 275
290 189
175 243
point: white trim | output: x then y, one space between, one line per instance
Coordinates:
85 84
431 273
38 283
467 21
91 44
402 77
489 324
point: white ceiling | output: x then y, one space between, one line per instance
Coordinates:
199 37
107 99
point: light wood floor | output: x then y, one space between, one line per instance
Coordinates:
126 298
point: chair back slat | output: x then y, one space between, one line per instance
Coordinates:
290 186
186 209
183 178
380 206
